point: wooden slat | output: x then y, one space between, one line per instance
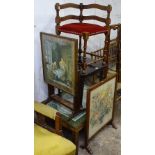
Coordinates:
69 17
69 5
63 101
95 6
95 55
98 50
89 6
94 18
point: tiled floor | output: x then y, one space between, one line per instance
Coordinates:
108 140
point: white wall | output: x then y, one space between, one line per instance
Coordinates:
44 15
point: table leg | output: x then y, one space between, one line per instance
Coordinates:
75 135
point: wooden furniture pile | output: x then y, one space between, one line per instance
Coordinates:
90 66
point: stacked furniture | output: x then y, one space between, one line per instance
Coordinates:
78 122
90 68
89 63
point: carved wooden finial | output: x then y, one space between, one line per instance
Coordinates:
109 8
57 6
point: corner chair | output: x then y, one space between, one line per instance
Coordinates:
98 59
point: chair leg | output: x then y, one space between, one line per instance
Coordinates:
106 52
80 50
84 64
76 140
118 65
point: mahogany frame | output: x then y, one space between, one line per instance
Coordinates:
76 105
71 91
87 139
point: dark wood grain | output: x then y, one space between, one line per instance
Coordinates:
97 6
69 17
41 122
69 5
93 17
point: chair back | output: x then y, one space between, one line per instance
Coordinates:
81 17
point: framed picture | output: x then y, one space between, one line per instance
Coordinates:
100 103
59 56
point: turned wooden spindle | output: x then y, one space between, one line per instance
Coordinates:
80 50
85 38
118 65
106 52
107 40
81 12
80 44
57 18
